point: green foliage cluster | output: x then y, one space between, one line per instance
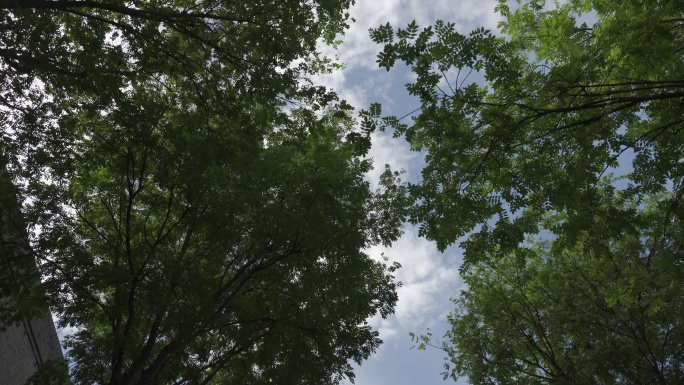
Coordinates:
214 257
560 103
605 311
187 227
554 152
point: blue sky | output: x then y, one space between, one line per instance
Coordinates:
429 278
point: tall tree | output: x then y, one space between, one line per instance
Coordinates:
189 229
565 96
606 311
183 255
556 149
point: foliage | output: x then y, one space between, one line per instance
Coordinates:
188 228
606 311
555 149
99 45
190 256
536 120
61 58
52 372
66 58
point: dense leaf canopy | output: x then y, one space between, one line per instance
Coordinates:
555 150
98 45
199 257
567 95
187 227
607 311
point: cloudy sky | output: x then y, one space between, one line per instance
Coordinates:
429 278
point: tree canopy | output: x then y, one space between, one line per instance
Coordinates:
187 227
567 96
184 257
606 311
98 45
554 151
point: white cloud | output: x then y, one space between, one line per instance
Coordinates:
429 278
388 150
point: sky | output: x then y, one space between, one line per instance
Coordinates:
429 278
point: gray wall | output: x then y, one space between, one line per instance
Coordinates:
28 344
24 347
